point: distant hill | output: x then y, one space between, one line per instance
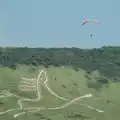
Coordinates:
105 59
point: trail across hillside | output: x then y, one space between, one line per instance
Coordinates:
38 98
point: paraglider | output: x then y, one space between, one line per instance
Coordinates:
90 35
89 20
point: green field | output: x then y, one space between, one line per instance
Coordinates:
65 82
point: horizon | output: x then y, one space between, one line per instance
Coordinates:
58 47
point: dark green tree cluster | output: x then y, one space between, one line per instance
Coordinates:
105 59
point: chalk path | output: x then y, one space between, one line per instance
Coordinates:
38 98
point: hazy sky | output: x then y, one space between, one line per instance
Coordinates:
57 23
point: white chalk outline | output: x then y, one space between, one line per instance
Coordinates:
34 109
27 84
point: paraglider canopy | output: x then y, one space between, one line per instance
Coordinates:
95 21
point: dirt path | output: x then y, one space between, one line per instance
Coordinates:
38 98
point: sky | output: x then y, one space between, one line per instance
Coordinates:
57 23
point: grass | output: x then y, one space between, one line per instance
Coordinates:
65 82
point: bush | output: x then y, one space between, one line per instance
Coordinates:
94 84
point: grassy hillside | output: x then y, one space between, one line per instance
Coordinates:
65 82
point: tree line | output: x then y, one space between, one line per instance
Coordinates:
105 59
